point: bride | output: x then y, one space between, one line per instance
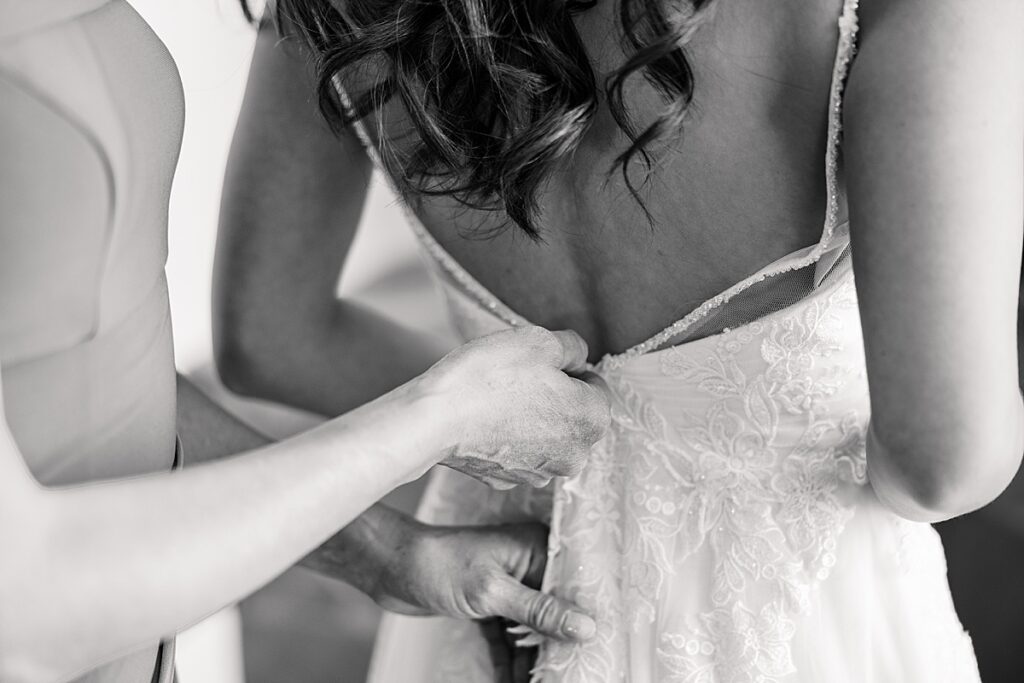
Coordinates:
693 186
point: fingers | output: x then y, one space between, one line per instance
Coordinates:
595 380
568 463
574 351
537 480
511 663
594 397
523 659
545 614
499 484
498 479
565 348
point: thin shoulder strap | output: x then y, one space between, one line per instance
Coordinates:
832 232
849 26
439 256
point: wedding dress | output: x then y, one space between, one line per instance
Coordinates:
724 531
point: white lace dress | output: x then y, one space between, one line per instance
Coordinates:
724 531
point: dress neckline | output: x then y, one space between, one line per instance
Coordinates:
833 235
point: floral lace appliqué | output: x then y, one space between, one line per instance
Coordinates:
748 489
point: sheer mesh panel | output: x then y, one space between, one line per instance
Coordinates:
772 294
763 298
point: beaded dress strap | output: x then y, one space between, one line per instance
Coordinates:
831 234
440 256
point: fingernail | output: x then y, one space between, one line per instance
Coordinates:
579 626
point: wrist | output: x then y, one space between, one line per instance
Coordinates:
388 542
433 417
407 427
364 550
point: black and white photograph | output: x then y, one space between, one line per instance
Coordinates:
511 341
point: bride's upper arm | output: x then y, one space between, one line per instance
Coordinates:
293 197
934 154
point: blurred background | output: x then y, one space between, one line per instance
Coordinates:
302 628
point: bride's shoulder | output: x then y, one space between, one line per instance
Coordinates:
942 45
952 18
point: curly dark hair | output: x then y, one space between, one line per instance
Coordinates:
499 92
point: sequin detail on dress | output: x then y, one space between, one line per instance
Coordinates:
756 484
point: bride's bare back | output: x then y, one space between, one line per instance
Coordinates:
932 125
743 186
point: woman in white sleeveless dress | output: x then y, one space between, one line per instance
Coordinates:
742 522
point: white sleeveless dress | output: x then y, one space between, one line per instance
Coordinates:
724 531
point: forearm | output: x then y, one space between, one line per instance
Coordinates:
112 566
356 555
330 363
363 550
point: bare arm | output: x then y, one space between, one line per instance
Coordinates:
293 197
934 150
406 566
1008 509
90 573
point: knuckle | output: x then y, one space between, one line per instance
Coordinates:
595 415
489 345
482 594
569 465
582 432
600 419
543 610
566 470
578 339
598 399
541 338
